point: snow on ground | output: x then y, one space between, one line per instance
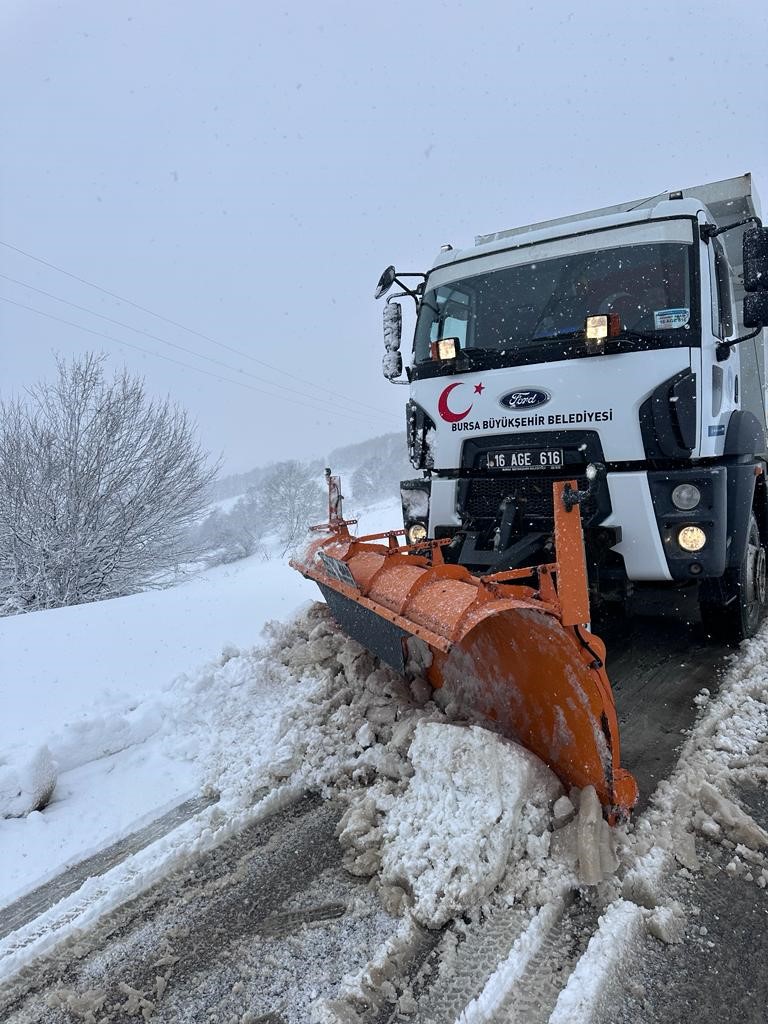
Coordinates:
134 704
439 811
313 710
93 685
89 700
727 747
377 518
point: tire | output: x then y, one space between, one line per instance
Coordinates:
732 608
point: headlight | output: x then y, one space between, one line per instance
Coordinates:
686 497
691 538
417 533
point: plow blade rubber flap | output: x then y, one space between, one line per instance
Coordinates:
520 655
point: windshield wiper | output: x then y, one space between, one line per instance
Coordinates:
629 334
573 332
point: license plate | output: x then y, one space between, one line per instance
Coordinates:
524 458
337 569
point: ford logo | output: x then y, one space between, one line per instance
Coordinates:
528 399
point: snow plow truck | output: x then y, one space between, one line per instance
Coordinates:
588 415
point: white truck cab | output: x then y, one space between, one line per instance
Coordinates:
623 348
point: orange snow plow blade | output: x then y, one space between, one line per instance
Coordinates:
513 646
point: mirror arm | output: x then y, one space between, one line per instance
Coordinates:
405 294
414 293
708 231
723 349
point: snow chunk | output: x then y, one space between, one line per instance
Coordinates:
667 923
596 847
563 811
365 735
28 787
738 825
83 1007
644 880
448 838
685 851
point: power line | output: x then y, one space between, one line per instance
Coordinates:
175 323
173 344
198 369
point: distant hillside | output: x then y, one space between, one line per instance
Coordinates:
372 468
386 447
237 483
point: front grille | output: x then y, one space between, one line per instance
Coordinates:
482 498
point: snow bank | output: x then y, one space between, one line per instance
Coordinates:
94 685
726 748
82 663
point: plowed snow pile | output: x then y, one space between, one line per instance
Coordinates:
726 749
475 802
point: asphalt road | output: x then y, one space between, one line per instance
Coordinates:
656 667
259 927
717 974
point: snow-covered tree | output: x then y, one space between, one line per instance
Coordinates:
227 536
367 484
287 500
98 485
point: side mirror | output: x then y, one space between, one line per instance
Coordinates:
755 259
392 365
756 309
386 281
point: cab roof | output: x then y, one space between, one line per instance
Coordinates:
724 202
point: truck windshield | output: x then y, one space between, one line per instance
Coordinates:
535 312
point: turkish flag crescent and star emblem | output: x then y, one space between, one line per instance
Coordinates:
446 412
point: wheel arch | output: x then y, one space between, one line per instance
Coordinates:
746 493
760 503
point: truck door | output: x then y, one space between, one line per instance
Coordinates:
720 379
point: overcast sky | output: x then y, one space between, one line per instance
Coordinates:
246 170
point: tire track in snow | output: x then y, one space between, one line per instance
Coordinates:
30 906
176 952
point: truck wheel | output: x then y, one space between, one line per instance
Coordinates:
732 608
